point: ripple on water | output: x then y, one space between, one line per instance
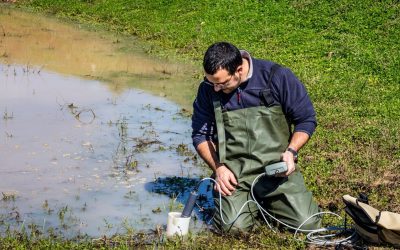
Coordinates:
81 159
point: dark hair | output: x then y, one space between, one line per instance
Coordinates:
222 55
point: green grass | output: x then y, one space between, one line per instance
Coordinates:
263 240
345 52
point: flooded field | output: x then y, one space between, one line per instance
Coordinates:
81 151
118 61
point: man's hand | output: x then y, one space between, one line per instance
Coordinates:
226 180
289 159
223 175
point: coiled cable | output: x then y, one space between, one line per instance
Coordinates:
313 236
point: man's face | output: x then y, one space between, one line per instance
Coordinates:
222 80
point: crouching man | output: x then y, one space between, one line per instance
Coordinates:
242 119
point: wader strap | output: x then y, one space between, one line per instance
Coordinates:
266 94
220 128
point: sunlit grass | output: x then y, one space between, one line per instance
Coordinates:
345 52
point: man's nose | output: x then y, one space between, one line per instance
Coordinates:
217 87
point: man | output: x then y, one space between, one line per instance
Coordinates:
242 120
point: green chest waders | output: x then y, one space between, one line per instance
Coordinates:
249 139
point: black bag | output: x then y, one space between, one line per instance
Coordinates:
371 224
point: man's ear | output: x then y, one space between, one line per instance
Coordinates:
239 69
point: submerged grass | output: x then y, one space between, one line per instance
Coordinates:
345 52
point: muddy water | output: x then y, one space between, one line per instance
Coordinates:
69 49
81 155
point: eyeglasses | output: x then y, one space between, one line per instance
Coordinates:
221 85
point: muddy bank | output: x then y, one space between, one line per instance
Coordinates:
118 61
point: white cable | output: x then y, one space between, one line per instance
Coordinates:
311 232
265 211
220 202
310 236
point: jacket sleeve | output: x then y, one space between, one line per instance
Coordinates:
295 101
203 118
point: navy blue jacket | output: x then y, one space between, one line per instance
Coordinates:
287 91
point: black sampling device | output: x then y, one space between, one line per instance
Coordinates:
275 168
187 210
270 170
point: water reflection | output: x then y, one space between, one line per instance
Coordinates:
76 157
178 188
119 61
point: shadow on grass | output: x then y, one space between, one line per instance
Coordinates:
179 188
